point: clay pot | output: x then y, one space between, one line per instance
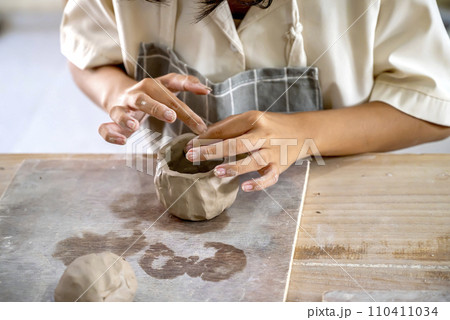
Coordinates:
188 191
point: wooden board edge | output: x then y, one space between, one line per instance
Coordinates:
297 231
12 178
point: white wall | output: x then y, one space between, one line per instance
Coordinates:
31 5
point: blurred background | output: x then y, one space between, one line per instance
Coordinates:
42 111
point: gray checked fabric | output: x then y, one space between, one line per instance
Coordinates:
289 89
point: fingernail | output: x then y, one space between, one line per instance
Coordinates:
201 128
202 86
131 124
220 172
193 155
189 146
170 115
247 187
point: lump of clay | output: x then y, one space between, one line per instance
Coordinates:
177 192
117 284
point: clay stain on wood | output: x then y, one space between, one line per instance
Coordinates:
137 207
144 208
440 275
335 251
429 250
71 248
226 261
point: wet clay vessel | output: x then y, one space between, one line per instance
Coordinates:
190 191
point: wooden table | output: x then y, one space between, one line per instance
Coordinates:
371 222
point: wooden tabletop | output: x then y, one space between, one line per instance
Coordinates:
370 222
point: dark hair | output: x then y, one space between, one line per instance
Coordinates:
209 6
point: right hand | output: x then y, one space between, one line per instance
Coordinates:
155 97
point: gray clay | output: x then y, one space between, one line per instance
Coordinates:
87 272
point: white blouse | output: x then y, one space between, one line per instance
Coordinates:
395 51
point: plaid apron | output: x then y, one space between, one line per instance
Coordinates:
286 90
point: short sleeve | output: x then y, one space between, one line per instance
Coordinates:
412 60
89 36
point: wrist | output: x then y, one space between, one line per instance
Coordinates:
116 84
109 98
306 128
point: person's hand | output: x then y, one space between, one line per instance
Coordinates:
271 140
155 97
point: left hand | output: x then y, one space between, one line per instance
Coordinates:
272 141
127 110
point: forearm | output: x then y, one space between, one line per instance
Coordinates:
370 127
103 84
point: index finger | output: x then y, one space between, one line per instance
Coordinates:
184 113
231 127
